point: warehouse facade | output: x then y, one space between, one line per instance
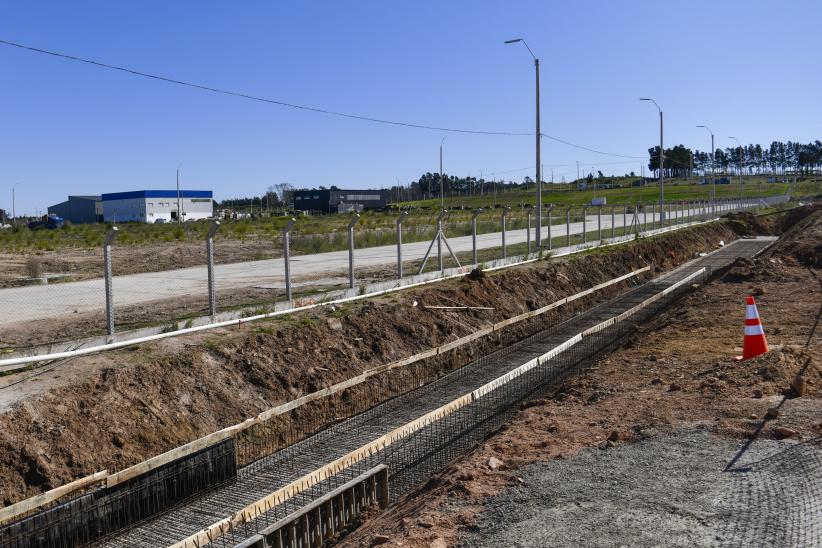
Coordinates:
79 209
151 206
339 201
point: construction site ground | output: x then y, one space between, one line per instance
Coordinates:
667 441
113 410
108 411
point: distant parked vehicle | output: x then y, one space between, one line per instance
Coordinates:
49 222
159 221
598 201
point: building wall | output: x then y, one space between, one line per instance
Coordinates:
150 205
328 201
78 209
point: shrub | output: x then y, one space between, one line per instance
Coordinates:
34 267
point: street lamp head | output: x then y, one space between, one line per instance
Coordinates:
514 41
644 99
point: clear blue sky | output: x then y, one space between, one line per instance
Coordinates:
746 68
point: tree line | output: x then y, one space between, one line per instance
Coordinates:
779 158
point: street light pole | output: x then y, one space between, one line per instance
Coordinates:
13 210
538 136
713 181
661 165
741 164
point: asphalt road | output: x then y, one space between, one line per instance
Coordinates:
56 300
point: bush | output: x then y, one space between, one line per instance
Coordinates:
34 267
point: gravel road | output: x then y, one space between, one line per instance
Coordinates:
665 490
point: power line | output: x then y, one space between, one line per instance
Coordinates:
254 97
134 72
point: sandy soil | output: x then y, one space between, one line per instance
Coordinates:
87 263
677 372
116 409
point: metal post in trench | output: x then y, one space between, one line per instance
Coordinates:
400 219
474 235
287 258
351 223
109 289
212 298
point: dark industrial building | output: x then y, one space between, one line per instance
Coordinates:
79 209
339 201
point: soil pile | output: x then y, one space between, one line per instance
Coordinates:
133 404
803 240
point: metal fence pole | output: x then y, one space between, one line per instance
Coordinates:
212 299
613 222
474 235
645 218
654 223
550 209
568 227
287 257
108 279
439 239
505 211
669 213
400 219
528 235
625 221
351 223
585 224
599 223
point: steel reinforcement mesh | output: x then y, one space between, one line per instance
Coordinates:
92 516
414 459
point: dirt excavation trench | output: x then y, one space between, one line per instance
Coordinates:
667 441
112 410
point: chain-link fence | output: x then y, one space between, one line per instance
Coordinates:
207 276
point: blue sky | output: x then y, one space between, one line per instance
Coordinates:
745 68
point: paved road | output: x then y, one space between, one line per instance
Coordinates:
49 301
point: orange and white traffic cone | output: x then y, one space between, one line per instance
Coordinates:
754 344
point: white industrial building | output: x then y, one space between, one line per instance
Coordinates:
147 206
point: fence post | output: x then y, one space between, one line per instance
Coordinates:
585 223
568 227
505 211
474 235
613 221
550 209
654 222
669 213
439 239
625 220
212 300
287 257
109 289
528 235
644 218
599 223
400 219
351 223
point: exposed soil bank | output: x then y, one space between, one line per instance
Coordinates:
113 410
677 372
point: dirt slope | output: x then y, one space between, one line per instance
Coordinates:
116 409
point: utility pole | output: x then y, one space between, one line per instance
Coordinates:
13 210
442 195
179 209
